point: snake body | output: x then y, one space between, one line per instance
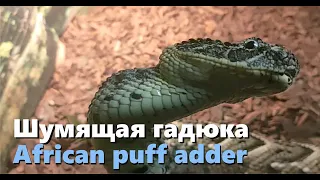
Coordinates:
191 76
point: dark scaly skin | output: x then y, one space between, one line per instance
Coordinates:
191 76
264 155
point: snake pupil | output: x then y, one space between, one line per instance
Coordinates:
250 45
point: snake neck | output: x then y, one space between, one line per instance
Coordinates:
142 96
218 84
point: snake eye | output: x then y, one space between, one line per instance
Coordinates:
251 44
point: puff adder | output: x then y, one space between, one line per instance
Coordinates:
191 76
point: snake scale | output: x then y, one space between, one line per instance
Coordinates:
191 76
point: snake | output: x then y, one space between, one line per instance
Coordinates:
190 76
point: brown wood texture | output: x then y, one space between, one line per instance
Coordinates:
29 46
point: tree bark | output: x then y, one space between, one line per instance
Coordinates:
28 48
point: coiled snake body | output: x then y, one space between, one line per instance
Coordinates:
191 76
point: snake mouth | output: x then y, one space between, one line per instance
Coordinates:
283 79
268 79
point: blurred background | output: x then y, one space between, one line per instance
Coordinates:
99 41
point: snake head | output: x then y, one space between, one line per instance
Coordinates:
272 58
251 65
